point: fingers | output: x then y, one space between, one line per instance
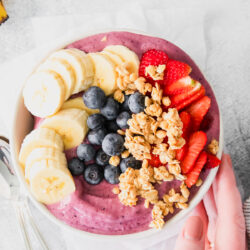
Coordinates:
230 229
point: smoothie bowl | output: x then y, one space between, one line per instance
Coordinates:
120 135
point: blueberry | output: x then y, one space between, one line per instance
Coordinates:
85 152
130 162
122 119
102 158
124 105
95 121
93 174
111 109
111 174
136 102
112 126
94 98
76 166
113 144
96 136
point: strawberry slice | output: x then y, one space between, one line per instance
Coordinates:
176 70
181 153
198 110
196 144
154 161
192 99
212 161
152 57
183 85
193 176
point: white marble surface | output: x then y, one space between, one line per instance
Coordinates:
227 34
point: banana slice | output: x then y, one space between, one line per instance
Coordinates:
74 60
78 104
39 154
71 124
64 69
41 137
50 180
116 59
105 74
127 55
44 93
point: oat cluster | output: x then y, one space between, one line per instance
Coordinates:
213 147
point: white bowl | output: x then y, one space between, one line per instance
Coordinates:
20 129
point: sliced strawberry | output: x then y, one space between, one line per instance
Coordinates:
196 144
176 70
198 110
193 176
192 99
155 161
212 161
181 153
183 85
152 57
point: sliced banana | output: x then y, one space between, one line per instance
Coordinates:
50 180
116 59
127 55
105 74
64 69
71 124
40 137
74 60
44 93
79 104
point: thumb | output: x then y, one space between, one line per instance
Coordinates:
192 235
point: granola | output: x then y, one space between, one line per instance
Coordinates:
213 147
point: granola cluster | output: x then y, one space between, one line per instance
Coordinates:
213 147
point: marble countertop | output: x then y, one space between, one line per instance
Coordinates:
227 36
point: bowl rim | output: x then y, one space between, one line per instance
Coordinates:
42 54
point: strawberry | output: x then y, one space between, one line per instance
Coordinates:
152 57
193 176
212 161
176 70
180 153
196 143
183 85
191 99
155 161
198 110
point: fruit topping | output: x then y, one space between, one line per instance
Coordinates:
112 126
122 119
129 162
96 136
193 176
93 174
124 105
196 144
155 161
95 121
85 152
94 98
136 102
76 166
113 144
111 174
102 158
212 161
111 109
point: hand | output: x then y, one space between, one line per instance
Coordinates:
218 221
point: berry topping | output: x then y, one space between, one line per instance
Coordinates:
111 109
198 110
113 144
193 176
85 152
93 174
112 126
136 102
130 162
122 119
76 166
154 161
124 105
212 161
96 136
102 158
94 98
111 174
196 144
95 121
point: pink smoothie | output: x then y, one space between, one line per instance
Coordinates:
96 209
